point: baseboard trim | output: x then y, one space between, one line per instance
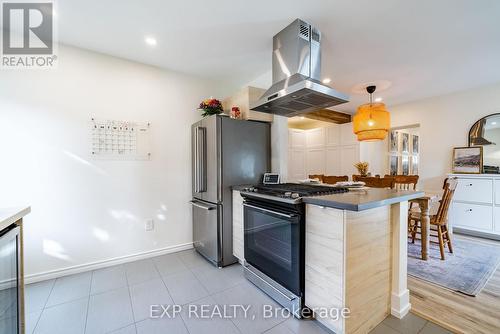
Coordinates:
33 278
401 313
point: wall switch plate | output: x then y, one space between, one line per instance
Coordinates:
149 225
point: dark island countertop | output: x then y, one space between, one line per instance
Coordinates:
363 199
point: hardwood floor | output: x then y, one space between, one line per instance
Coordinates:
455 311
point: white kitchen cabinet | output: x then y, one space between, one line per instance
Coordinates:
349 155
474 190
296 139
238 234
332 160
474 216
347 137
476 205
496 192
296 164
332 150
315 138
332 135
496 219
315 161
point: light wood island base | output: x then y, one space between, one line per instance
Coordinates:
357 260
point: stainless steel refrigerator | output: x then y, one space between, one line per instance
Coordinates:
225 152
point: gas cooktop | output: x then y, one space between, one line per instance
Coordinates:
291 191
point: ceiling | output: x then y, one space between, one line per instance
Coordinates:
419 48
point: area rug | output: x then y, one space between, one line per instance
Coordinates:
467 270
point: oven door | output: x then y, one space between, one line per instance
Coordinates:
272 243
10 296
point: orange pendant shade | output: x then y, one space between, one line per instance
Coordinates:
371 122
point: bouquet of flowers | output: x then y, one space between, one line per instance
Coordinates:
210 106
235 113
362 168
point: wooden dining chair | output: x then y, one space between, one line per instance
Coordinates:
376 182
439 221
330 179
356 178
404 182
317 176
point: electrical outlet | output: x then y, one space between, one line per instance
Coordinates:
149 225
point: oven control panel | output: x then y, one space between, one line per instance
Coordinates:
271 178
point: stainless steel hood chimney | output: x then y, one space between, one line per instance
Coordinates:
297 88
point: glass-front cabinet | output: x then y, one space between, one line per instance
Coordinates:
10 292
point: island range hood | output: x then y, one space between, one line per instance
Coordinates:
297 88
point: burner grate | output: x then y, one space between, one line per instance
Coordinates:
301 189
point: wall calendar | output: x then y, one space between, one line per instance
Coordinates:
120 140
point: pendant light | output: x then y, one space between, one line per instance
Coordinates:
371 121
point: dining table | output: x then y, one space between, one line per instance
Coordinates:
425 203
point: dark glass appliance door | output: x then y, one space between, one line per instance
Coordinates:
272 244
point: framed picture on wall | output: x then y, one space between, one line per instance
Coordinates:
405 165
468 160
393 165
414 144
414 165
405 142
393 141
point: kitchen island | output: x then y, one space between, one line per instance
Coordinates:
355 256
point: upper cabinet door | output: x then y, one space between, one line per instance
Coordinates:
349 155
315 161
347 137
315 138
332 160
296 138
296 164
333 135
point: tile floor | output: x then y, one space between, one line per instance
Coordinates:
117 300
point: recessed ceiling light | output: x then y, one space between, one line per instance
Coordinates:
493 123
327 80
150 41
378 99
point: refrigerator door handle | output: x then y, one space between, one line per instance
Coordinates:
196 161
202 159
201 206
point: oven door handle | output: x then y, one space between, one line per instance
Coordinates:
270 211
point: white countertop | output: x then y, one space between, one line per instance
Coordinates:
8 216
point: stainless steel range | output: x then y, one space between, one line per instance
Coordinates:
274 225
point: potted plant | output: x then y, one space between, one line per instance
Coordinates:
210 106
362 168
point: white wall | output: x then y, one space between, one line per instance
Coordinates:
86 210
444 123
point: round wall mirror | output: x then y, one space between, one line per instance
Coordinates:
486 133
